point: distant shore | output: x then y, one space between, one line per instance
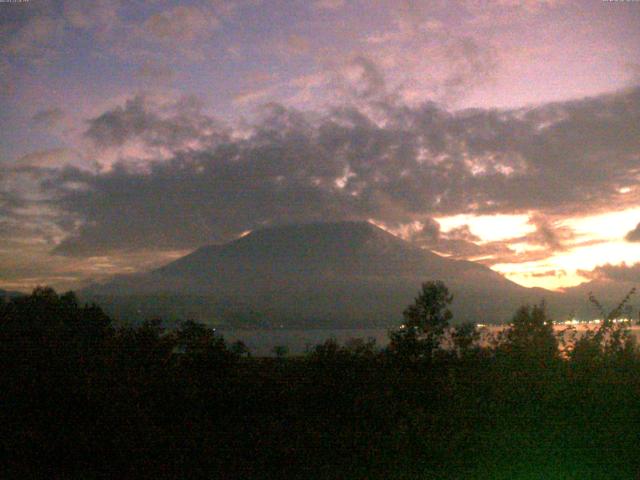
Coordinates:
261 342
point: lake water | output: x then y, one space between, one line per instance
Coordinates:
262 342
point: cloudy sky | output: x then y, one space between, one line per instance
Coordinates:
506 132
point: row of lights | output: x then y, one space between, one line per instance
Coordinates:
575 321
597 321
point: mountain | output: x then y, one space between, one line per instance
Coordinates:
608 292
341 274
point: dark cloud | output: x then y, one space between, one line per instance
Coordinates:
548 234
621 272
151 70
48 118
550 273
36 37
459 242
471 65
462 233
175 126
561 159
52 158
633 235
488 253
365 79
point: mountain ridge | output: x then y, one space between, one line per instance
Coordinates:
340 273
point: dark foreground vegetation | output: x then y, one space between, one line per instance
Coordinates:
82 399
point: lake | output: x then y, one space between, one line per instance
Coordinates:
298 341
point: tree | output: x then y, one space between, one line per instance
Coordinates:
610 339
607 327
465 339
54 321
424 322
280 351
530 337
240 349
202 348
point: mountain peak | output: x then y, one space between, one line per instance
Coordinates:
343 233
342 273
307 248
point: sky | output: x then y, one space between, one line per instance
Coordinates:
504 132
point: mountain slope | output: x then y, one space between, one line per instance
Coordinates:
608 292
322 274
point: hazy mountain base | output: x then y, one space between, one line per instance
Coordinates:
373 303
330 304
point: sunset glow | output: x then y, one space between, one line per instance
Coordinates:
599 239
504 133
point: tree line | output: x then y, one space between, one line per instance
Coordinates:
82 398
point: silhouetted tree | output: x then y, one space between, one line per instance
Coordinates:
202 347
86 401
240 349
280 351
530 337
424 322
609 340
361 348
465 339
